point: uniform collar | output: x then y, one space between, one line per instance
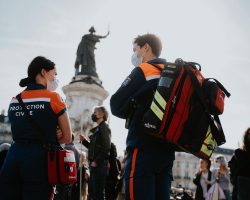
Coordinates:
35 87
157 61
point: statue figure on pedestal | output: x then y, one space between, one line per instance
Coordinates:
85 56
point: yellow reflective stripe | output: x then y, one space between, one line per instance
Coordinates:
160 100
208 141
156 110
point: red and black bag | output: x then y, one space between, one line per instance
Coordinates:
183 110
61 166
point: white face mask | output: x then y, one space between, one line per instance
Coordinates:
52 85
217 165
136 60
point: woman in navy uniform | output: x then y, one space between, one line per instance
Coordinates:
24 174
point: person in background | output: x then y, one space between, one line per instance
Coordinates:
24 173
98 153
121 183
240 169
203 179
85 176
3 152
221 175
112 178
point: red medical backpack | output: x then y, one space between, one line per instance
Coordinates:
185 109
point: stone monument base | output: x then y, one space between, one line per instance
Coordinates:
82 95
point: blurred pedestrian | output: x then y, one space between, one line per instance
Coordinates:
221 176
203 179
112 178
3 152
240 169
121 182
98 153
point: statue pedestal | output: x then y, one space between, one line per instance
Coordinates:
82 94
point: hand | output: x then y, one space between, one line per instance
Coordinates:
82 138
93 164
86 176
59 134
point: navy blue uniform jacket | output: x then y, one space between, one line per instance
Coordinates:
135 96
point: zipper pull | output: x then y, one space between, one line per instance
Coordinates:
173 100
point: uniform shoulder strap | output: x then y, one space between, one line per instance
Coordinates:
151 71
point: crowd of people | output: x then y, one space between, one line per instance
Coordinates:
145 172
215 184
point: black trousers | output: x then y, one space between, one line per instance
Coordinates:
97 181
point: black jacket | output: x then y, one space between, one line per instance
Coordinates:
99 145
239 166
199 191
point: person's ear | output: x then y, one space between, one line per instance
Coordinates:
43 72
147 47
102 114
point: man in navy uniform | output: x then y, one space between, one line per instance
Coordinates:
148 172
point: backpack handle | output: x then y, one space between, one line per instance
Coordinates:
220 86
180 62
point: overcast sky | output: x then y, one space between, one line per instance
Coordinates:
215 33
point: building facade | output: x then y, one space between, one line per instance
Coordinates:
5 129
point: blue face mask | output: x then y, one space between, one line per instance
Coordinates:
52 82
52 85
136 59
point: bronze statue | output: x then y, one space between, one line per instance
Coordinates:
85 54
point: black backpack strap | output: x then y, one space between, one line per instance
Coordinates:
220 86
194 64
156 66
178 63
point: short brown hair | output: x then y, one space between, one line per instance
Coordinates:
152 40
